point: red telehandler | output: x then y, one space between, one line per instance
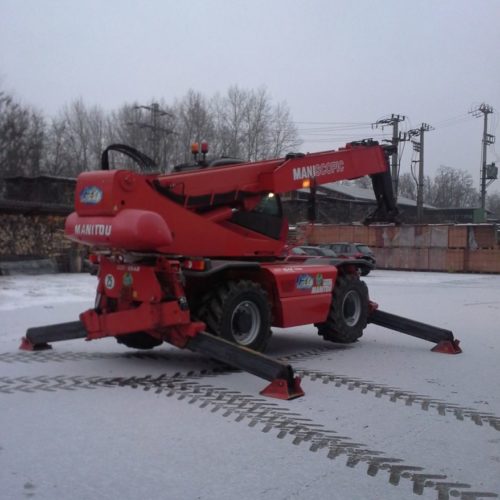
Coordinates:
197 258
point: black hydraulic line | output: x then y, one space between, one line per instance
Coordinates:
144 161
410 327
55 333
241 357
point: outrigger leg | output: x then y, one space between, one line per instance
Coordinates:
38 338
444 340
284 385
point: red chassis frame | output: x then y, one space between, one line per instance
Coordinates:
152 299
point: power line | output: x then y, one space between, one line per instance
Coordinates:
368 124
330 129
343 138
452 120
333 135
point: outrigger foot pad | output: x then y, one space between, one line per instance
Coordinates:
280 389
447 347
27 345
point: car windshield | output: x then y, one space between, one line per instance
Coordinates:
312 250
328 252
364 249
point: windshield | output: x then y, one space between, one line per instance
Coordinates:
364 249
328 252
269 205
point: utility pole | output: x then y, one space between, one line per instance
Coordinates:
154 127
488 172
397 137
419 147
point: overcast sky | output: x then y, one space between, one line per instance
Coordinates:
337 62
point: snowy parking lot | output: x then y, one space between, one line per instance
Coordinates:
384 418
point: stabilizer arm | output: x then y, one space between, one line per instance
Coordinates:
444 339
284 384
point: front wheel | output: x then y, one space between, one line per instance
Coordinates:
348 314
238 311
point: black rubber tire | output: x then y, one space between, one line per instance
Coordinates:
348 312
238 311
138 340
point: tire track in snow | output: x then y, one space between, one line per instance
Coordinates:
174 355
394 394
259 412
62 356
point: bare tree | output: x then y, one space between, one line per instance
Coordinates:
257 117
21 138
75 139
146 127
283 132
229 114
35 143
248 126
407 186
241 124
194 123
96 123
452 188
493 203
124 127
56 158
83 134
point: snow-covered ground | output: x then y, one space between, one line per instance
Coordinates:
384 418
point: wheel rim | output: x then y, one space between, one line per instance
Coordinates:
245 322
351 308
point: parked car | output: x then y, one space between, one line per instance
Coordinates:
312 250
359 251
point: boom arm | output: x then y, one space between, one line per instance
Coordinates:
282 175
210 212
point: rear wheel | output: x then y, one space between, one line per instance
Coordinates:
348 312
238 311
